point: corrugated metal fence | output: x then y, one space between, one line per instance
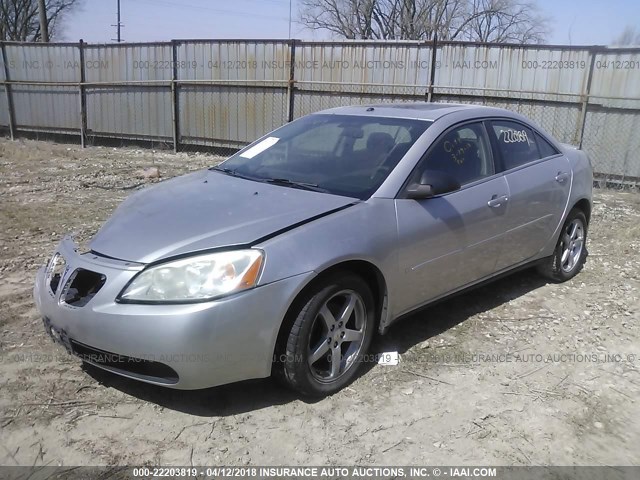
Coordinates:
225 93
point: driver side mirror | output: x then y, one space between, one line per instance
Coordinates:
432 183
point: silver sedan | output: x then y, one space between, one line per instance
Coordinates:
287 258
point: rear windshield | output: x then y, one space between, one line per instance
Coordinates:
340 154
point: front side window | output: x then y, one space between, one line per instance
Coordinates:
463 153
346 155
516 143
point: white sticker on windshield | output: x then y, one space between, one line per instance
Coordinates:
260 147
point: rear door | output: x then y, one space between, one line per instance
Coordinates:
448 241
539 180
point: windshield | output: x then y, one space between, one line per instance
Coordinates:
341 154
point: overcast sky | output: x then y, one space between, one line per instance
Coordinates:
585 22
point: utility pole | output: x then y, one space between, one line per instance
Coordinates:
118 25
44 27
290 2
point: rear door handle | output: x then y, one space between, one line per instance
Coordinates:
496 201
562 177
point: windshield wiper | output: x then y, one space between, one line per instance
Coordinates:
232 172
301 185
276 181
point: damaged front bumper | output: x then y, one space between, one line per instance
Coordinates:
184 346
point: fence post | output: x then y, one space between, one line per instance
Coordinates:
7 91
83 97
292 81
432 72
585 99
174 95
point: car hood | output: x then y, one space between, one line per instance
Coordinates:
205 210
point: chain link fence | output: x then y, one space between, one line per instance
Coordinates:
219 95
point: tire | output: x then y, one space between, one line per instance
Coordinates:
570 253
320 333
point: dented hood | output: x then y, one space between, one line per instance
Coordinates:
205 210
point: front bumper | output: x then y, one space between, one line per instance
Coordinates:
205 344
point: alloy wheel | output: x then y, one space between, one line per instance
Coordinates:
337 336
572 245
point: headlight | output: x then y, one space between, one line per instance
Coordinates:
55 271
197 278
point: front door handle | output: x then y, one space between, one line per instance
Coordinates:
562 177
496 201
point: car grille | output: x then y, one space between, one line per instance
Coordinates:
82 287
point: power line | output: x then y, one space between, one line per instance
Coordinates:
277 2
216 10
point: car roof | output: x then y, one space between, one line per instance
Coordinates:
419 110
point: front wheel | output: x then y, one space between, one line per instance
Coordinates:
329 337
570 253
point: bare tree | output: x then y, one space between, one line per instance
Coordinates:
506 21
348 18
629 37
19 18
475 20
422 19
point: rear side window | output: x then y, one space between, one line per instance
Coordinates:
546 149
516 143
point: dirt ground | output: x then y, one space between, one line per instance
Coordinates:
518 372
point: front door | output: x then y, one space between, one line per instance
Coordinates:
449 241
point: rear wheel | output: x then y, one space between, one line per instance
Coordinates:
570 253
331 333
